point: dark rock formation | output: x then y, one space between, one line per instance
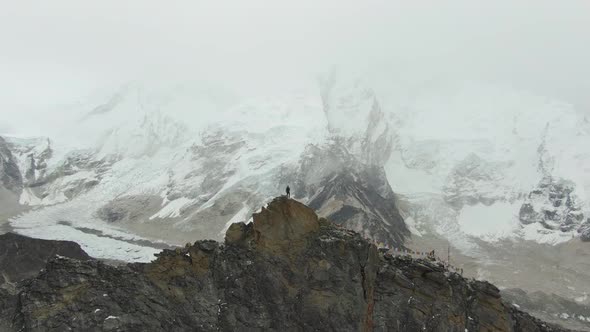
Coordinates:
584 231
349 193
287 271
8 304
23 257
553 205
10 176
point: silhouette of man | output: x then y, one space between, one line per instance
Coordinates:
288 192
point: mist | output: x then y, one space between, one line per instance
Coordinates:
55 56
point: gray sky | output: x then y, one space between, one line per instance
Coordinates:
56 52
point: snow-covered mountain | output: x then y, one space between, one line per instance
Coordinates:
173 165
151 176
505 164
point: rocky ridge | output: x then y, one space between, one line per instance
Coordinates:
22 258
287 270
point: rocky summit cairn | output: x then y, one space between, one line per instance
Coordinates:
288 270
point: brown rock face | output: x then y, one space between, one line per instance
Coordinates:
287 271
284 225
239 233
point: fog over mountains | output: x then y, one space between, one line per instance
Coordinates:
128 128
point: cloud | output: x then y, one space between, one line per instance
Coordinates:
62 51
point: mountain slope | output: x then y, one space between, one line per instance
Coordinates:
149 176
489 152
287 270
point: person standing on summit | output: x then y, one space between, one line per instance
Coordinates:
288 192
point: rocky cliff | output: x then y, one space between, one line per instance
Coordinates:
288 270
22 257
350 193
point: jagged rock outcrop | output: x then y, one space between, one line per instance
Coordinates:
23 257
350 193
584 231
554 205
287 271
32 155
10 176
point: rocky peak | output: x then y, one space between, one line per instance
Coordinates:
554 205
356 119
350 193
283 225
280 228
286 271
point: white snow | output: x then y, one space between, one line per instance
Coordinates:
155 156
174 208
411 223
441 132
491 222
493 133
27 197
95 246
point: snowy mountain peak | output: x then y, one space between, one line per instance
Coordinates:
347 104
344 152
355 116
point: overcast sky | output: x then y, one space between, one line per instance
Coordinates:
56 52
